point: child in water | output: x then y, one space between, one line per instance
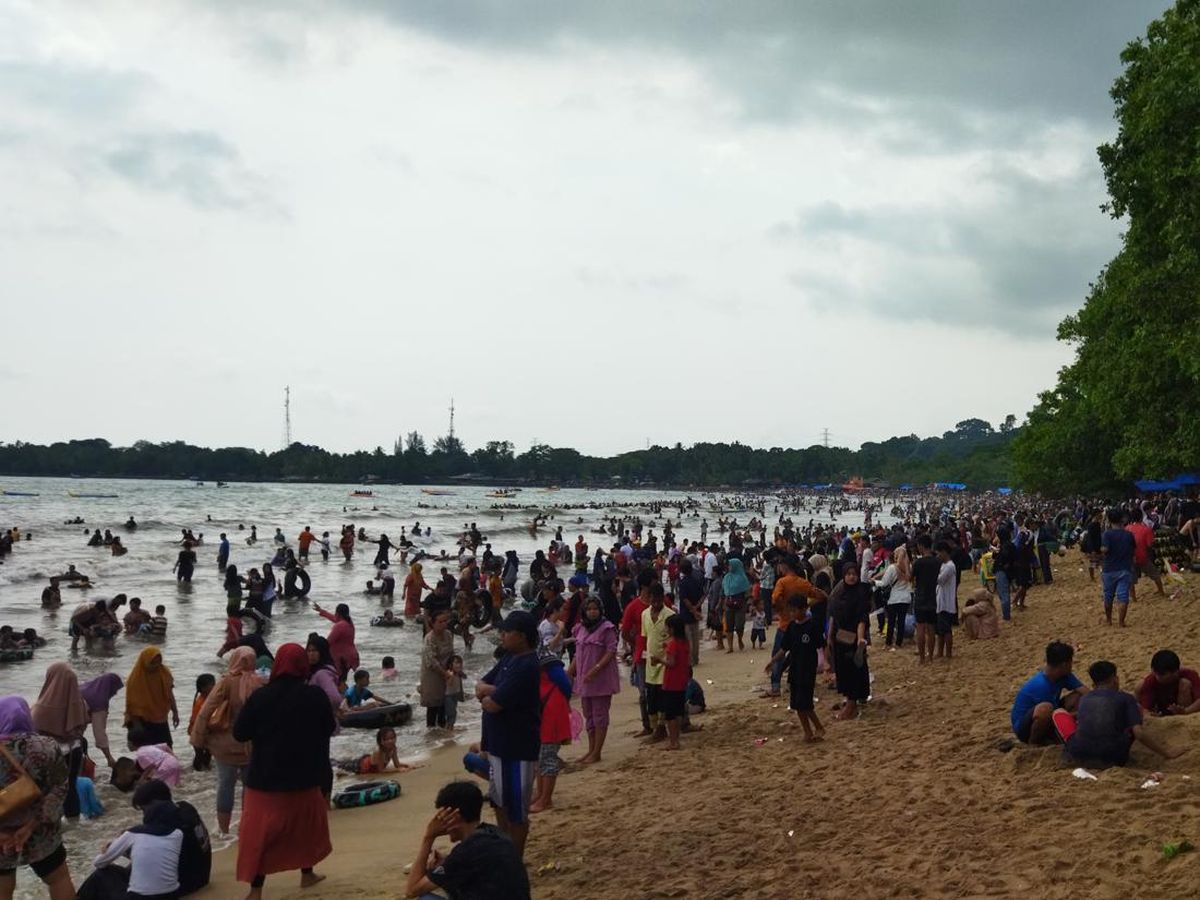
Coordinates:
202 761
389 672
359 696
454 690
384 757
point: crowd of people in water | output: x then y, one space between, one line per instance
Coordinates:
630 591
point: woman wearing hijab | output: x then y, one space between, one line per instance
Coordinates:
849 614
414 583
153 849
341 638
322 673
213 729
285 823
594 673
149 697
436 654
735 588
32 835
98 694
61 714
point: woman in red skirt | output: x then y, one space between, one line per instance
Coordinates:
285 817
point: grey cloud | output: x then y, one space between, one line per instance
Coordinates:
198 166
1051 58
74 90
1018 265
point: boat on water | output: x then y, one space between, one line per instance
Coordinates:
434 492
19 494
362 493
503 495
551 489
81 496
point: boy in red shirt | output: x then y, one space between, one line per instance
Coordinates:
676 659
555 693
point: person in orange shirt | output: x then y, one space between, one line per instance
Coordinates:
306 537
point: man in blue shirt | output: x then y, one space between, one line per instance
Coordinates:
1117 547
512 718
1043 693
223 553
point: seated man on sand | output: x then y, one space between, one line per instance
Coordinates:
1043 693
483 865
1108 723
1169 690
979 618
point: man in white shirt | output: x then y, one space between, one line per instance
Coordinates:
947 600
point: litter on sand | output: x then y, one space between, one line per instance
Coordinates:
791 832
1085 775
759 742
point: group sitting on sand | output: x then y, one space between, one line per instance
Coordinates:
1098 725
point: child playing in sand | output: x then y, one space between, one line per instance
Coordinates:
204 685
799 647
1108 722
383 758
1169 690
454 690
758 624
676 659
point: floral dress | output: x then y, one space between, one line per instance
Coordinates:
47 766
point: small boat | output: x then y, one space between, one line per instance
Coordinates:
550 490
503 494
362 493
20 494
79 496
222 484
378 716
434 492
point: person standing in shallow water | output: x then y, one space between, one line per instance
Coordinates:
149 697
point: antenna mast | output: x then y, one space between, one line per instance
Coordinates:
287 417
451 421
825 437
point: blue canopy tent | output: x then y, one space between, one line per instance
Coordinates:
906 487
950 486
1003 492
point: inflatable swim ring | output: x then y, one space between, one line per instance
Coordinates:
381 622
378 716
17 654
290 591
366 793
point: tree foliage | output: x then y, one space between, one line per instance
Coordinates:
1128 406
973 453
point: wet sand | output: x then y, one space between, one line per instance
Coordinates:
914 799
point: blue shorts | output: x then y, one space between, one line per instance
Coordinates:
510 787
1116 584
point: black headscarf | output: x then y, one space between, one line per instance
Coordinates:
321 645
159 819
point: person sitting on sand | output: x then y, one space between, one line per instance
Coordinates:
980 620
1169 690
1032 711
483 865
1108 722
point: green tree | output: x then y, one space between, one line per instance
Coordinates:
1130 400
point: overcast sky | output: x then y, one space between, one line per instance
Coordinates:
592 224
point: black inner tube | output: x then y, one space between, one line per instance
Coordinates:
289 583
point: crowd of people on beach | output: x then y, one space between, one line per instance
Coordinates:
821 596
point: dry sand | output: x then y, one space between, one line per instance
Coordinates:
914 799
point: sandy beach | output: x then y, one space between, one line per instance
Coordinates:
915 798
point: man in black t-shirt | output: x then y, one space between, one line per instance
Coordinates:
483 865
925 576
691 598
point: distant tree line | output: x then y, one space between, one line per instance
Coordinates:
974 453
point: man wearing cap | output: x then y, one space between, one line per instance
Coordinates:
512 725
